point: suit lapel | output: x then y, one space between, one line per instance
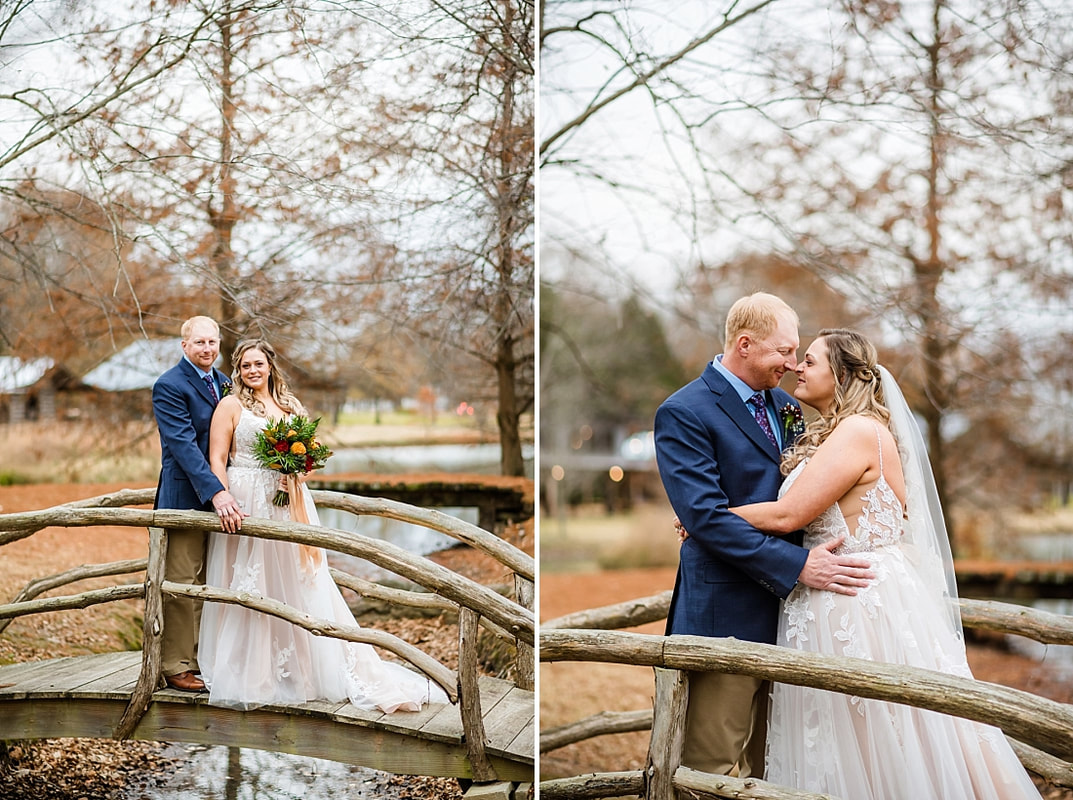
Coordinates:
731 404
194 377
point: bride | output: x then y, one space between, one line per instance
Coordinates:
861 471
248 658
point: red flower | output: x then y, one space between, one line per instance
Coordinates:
309 463
282 447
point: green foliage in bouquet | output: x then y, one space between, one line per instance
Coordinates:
290 446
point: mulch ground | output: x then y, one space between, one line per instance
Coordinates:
92 769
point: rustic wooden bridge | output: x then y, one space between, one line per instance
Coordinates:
485 734
85 697
1040 730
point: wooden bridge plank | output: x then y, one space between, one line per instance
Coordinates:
524 744
115 684
107 670
17 673
406 722
53 677
506 719
449 721
46 718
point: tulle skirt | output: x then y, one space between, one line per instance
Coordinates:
860 749
250 659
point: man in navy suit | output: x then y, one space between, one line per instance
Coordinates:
714 452
184 399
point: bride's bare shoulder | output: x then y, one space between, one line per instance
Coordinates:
858 425
229 406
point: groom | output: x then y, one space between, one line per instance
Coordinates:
184 399
718 444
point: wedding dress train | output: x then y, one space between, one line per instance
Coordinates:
250 659
862 749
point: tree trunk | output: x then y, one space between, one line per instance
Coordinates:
504 316
507 417
223 218
929 275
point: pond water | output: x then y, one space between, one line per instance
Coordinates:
232 773
478 459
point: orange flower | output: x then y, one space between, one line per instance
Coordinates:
298 449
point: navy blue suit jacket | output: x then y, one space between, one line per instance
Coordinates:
712 455
183 408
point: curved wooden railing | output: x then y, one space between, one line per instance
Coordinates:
1042 729
476 604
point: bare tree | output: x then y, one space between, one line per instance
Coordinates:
910 156
307 169
476 142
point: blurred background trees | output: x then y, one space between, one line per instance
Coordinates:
901 167
353 181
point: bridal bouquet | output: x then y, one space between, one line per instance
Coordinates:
290 446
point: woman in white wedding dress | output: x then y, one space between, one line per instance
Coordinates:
250 659
846 478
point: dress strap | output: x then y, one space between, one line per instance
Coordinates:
879 441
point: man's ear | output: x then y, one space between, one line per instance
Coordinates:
742 344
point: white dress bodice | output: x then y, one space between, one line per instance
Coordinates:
878 525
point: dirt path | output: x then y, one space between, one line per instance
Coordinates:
570 691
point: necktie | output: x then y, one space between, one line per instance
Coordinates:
212 387
760 412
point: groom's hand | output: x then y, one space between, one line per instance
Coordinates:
229 511
835 573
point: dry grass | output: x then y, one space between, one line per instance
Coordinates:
589 538
79 452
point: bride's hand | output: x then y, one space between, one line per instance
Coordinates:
229 511
683 534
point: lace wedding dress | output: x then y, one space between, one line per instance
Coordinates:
250 659
862 749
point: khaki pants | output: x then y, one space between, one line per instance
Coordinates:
726 724
182 615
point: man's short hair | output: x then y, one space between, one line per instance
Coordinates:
188 326
758 314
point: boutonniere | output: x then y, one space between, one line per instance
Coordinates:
793 422
225 389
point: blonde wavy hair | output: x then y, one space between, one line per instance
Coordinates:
858 390
277 385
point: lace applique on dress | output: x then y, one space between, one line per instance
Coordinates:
852 747
247 577
282 657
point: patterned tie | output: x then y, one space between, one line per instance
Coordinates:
212 387
760 412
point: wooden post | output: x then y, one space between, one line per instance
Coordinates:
668 733
469 696
152 635
524 660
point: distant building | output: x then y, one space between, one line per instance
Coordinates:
28 388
